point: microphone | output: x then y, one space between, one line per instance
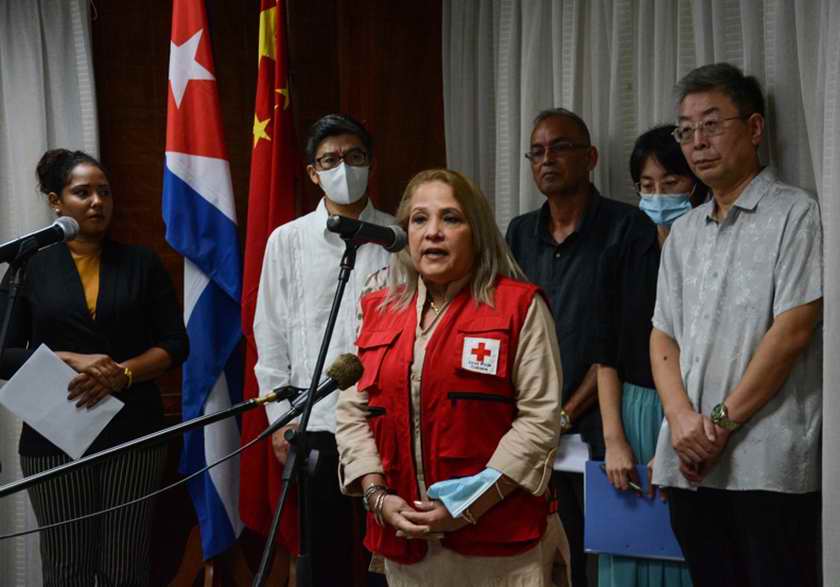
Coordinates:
345 371
359 232
63 229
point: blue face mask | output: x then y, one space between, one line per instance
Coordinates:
663 209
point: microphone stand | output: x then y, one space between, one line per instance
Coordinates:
17 267
158 437
299 452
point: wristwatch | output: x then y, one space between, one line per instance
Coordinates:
565 422
720 416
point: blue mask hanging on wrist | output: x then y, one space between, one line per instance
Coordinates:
663 209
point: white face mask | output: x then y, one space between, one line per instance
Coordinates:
345 184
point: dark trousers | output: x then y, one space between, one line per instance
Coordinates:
748 538
336 523
112 549
569 490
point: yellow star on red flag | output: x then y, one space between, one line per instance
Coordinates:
259 129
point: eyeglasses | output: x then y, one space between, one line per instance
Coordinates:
710 127
354 157
538 154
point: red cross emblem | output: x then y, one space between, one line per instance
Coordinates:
481 352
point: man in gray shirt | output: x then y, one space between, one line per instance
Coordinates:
736 351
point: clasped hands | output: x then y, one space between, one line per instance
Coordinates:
99 376
698 443
428 520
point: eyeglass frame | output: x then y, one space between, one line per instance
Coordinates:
341 157
698 126
559 149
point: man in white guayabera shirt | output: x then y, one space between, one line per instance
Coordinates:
736 351
297 285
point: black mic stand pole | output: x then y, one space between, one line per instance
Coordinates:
17 267
299 451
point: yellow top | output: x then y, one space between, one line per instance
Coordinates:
88 268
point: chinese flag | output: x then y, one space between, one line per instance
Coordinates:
271 202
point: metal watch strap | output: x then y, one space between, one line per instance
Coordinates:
720 416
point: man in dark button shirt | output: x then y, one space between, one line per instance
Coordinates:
559 246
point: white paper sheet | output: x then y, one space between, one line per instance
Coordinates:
37 394
572 454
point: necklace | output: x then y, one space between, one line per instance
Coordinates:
434 307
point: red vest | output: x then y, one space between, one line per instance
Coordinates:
468 403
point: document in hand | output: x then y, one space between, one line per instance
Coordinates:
37 394
572 454
624 522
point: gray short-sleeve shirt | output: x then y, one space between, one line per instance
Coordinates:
720 287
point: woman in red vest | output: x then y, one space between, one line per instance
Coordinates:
450 433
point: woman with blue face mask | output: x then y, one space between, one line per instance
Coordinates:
630 407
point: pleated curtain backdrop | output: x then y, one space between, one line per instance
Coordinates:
47 99
615 63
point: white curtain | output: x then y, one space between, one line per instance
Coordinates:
615 63
47 100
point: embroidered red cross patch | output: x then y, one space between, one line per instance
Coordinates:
481 355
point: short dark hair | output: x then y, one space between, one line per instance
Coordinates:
577 120
56 165
658 142
332 125
744 90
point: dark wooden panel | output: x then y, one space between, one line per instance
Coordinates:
376 60
390 72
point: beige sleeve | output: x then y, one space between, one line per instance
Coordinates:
526 452
357 450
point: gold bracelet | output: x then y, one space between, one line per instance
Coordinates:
127 372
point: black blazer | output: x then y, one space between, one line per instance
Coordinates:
136 309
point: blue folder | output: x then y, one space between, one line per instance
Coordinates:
623 522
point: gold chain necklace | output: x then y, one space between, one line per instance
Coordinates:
434 307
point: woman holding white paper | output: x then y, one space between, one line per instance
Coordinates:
109 311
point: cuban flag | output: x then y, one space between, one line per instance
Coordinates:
200 218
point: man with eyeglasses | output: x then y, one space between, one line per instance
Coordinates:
297 284
559 246
736 351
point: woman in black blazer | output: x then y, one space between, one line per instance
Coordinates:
109 311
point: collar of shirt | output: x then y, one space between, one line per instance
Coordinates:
750 197
542 230
321 214
452 290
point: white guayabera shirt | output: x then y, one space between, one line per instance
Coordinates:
297 286
720 287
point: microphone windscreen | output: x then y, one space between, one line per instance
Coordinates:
346 370
69 226
400 239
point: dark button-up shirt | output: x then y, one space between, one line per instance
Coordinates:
626 294
567 272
